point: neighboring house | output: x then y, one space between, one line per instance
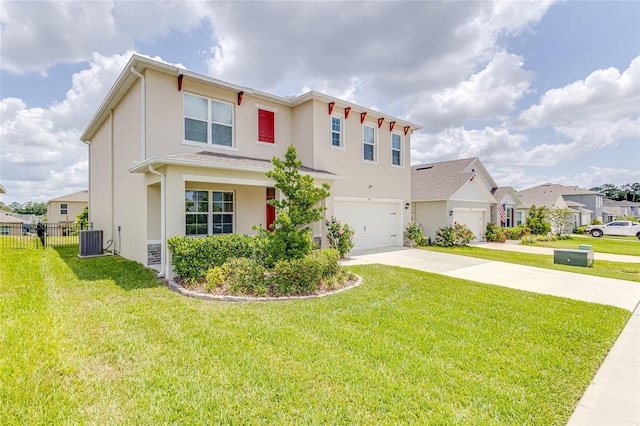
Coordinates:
614 209
458 191
508 201
172 152
10 225
585 205
65 209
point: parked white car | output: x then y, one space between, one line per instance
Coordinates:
618 227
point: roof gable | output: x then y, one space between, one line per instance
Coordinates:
440 181
80 196
139 64
551 195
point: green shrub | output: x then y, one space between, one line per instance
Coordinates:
536 221
579 230
517 232
214 279
193 257
296 276
532 239
243 275
596 222
328 260
340 236
456 235
415 234
495 233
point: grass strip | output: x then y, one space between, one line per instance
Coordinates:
601 268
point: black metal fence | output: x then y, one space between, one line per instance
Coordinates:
26 236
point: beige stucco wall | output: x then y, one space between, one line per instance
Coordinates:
165 126
100 180
131 202
431 216
74 208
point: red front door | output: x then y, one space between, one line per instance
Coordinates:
271 211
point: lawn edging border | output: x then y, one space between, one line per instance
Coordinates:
228 298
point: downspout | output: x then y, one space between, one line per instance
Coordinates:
143 103
162 221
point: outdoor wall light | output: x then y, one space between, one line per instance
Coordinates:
450 212
406 206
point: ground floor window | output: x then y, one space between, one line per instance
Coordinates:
209 212
4 230
509 223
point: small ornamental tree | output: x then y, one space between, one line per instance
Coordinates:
340 236
559 219
536 221
295 212
83 218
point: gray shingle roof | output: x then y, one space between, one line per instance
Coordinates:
214 159
548 194
7 218
76 196
439 181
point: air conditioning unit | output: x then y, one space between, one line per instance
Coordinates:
90 243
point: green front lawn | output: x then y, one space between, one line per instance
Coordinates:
601 268
101 341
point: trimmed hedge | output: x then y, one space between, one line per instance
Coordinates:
193 257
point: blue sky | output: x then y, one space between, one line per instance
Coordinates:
540 91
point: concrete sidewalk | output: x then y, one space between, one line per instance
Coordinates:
613 398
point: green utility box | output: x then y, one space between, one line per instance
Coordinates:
585 247
573 257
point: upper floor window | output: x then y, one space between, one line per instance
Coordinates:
396 149
64 209
208 121
368 143
336 132
266 126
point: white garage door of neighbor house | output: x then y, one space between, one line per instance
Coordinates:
375 223
474 219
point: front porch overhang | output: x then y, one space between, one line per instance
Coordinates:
210 160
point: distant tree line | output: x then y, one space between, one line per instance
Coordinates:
626 192
30 207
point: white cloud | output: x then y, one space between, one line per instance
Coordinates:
489 94
38 35
394 49
41 151
603 95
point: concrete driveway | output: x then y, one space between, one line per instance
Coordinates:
608 291
613 397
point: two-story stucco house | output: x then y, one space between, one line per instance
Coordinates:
172 152
64 209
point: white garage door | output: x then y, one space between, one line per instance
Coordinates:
375 224
474 219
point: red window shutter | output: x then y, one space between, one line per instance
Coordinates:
266 126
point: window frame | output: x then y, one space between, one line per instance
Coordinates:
64 208
400 150
211 213
210 122
341 133
374 144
